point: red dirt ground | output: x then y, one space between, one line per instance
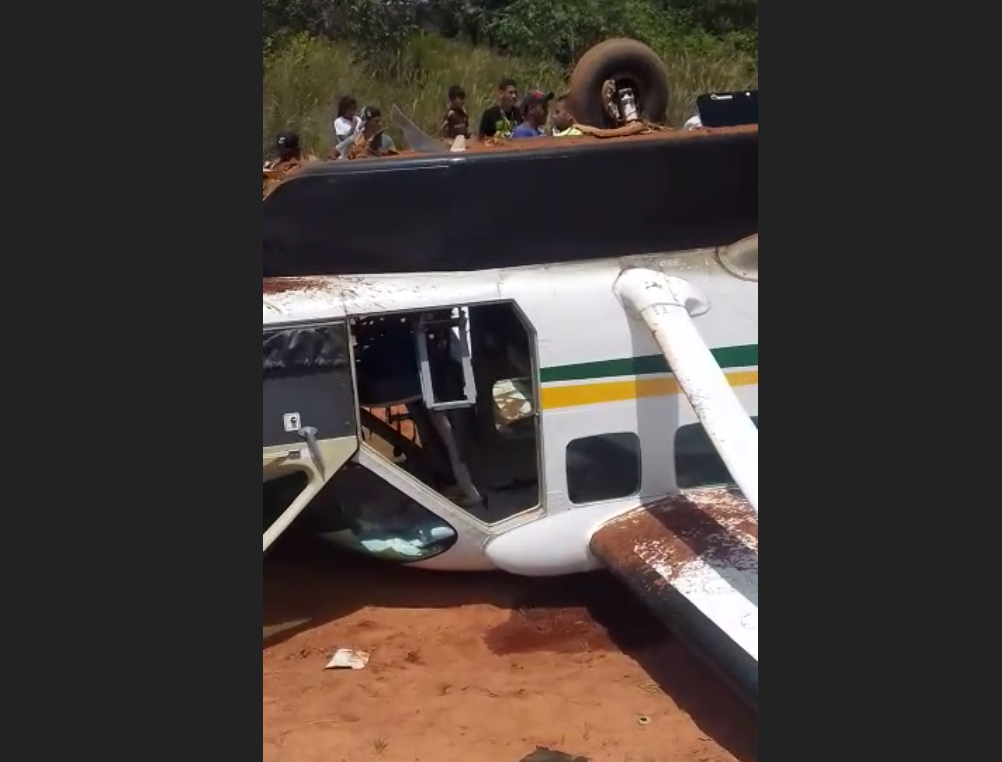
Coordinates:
479 668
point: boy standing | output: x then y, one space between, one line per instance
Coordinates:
457 121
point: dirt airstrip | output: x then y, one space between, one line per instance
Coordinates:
479 668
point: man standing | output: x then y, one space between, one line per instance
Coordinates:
500 119
534 113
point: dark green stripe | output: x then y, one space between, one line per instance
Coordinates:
727 357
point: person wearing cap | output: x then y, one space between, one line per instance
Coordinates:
534 111
287 151
500 119
372 135
288 157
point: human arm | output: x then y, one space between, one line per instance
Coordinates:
341 149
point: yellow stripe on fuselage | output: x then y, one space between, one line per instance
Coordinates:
553 397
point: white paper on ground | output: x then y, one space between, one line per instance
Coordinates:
348 658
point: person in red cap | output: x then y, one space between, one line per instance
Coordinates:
535 107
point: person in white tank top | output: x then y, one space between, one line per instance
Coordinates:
347 122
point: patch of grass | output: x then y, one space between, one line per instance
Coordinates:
379 746
305 78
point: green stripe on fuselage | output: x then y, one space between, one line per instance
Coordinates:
647 365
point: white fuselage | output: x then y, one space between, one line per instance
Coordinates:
597 371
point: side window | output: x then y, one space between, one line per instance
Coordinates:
605 467
696 461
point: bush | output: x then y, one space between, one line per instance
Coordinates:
304 76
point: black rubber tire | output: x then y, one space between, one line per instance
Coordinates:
619 58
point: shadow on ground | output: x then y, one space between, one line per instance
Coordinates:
306 585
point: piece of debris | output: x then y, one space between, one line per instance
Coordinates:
459 144
643 720
348 658
512 400
542 754
414 137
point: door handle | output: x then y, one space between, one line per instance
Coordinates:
309 433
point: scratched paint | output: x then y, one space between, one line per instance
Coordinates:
704 544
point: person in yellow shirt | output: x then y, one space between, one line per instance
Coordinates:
563 120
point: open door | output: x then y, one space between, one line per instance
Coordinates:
309 413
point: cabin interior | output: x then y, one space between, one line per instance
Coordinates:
450 397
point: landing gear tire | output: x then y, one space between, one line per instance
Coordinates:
627 63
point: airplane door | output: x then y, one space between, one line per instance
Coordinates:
308 410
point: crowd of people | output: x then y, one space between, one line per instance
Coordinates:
509 117
359 132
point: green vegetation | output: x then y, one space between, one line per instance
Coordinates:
408 52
